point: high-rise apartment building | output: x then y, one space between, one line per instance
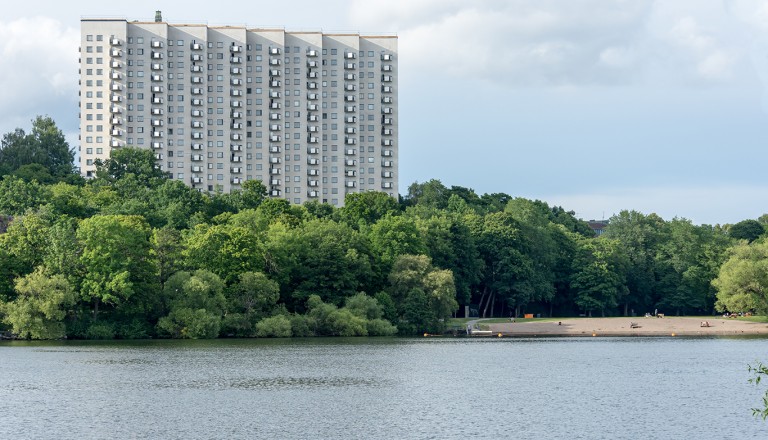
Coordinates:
312 115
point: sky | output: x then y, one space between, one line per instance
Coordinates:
594 105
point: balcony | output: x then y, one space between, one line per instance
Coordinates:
350 76
350 98
386 110
386 57
312 64
236 180
386 78
196 46
313 183
116 87
236 81
312 75
197 147
157 44
236 114
275 94
350 141
236 104
197 124
312 96
157 55
156 77
236 158
313 161
116 121
386 68
386 163
236 125
116 75
350 109
350 184
311 53
313 172
236 70
235 148
350 162
196 169
350 130
275 182
116 98
313 193
274 149
350 87
312 107
274 105
275 160
350 173
275 138
386 185
234 48
387 174
197 102
197 113
275 127
312 85
274 51
196 69
349 66
157 122
115 42
115 64
157 145
159 156
157 89
236 137
313 128
157 66
236 170
387 153
275 83
275 116
197 90
197 135
312 139
157 134
116 132
275 193
116 53
115 143
275 171
350 151
235 92
386 121
313 118
196 180
386 100
387 142
386 89
235 60
274 62
197 80
350 55
197 158
386 131
115 109
350 119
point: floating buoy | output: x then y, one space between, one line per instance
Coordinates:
499 334
594 334
673 334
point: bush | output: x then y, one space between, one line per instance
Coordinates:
187 323
100 330
274 327
380 327
301 326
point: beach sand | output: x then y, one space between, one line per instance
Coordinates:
666 326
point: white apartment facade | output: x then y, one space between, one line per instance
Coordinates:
312 115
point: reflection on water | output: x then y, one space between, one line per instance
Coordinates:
611 388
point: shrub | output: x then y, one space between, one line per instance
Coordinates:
274 327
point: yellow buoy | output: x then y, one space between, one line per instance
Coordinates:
673 334
499 335
594 334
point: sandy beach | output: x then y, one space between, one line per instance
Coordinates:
667 326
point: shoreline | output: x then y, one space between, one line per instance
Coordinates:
594 327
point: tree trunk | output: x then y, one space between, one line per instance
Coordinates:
482 298
517 311
493 305
550 309
95 308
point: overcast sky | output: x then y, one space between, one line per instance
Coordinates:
595 105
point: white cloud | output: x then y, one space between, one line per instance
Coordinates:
38 71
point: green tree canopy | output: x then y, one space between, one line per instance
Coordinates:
44 146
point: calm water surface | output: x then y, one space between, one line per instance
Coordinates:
606 388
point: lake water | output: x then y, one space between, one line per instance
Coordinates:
379 388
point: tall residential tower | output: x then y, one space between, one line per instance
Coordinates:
312 115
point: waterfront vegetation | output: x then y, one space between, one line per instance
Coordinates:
132 254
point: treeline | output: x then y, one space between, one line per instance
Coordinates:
132 254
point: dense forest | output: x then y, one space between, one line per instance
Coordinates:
132 254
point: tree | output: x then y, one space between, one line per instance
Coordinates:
598 275
367 207
197 303
40 306
749 230
45 145
136 161
249 300
116 259
224 250
742 284
17 196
